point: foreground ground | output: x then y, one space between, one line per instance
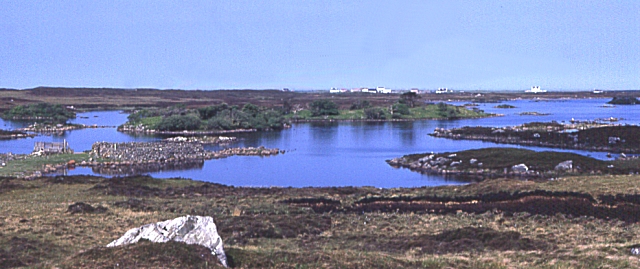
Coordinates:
573 222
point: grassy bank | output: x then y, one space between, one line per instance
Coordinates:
431 111
274 228
26 165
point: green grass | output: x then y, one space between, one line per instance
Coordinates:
423 112
150 122
30 163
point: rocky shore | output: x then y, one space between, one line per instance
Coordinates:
207 140
155 152
446 166
141 129
481 164
58 129
5 134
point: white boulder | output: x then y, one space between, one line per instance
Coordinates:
199 230
520 168
564 166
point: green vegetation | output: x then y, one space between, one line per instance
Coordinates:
42 112
400 111
624 101
26 165
360 104
504 106
216 117
323 108
409 98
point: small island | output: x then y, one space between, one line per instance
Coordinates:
13 134
40 112
624 100
588 135
481 164
505 106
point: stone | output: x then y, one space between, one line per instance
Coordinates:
635 251
473 161
564 166
199 230
520 168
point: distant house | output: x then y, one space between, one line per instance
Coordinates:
536 89
443 90
598 91
383 90
356 90
52 147
334 90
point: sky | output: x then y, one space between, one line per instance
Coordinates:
300 44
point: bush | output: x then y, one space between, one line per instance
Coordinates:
360 104
400 109
179 123
375 113
323 107
40 112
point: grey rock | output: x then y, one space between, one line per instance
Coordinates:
520 168
199 230
564 166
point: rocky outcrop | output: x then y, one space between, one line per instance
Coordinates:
203 139
199 230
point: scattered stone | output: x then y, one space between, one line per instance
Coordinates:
199 230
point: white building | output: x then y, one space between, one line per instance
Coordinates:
535 89
443 90
383 90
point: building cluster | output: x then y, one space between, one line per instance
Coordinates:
367 90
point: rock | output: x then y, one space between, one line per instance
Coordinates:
454 163
473 161
520 168
199 230
440 161
635 251
564 166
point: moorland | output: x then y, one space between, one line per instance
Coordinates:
576 218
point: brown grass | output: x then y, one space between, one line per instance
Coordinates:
260 230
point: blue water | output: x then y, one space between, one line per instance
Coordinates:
337 154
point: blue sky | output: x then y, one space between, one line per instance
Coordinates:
299 44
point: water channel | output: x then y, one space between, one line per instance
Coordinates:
335 153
